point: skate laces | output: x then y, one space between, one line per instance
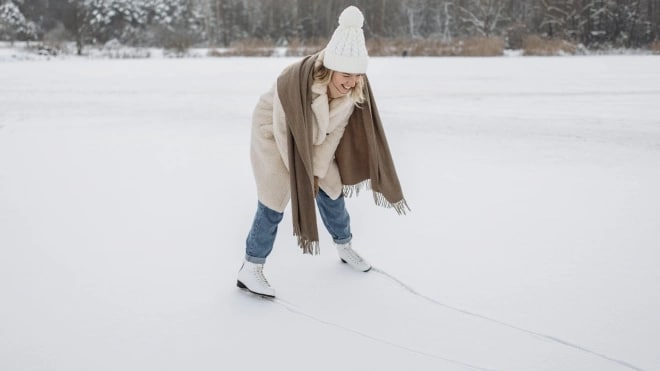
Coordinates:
350 254
259 274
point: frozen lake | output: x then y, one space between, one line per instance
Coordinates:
533 242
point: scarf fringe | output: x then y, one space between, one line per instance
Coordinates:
401 207
354 190
309 247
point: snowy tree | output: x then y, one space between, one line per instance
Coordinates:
484 17
277 21
13 24
176 24
233 18
630 25
383 18
600 23
559 18
97 21
444 19
414 11
111 19
594 23
165 12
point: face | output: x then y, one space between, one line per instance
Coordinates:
341 84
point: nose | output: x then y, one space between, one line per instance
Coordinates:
352 81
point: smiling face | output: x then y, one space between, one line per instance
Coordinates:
342 83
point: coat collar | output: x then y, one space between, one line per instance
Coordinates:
325 111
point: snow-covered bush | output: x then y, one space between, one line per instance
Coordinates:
114 49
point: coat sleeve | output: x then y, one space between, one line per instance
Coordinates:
279 127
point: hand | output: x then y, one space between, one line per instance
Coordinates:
316 186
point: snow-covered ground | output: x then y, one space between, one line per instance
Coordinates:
533 241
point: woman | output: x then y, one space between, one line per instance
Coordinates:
316 135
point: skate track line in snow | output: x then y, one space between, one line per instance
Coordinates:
294 309
501 323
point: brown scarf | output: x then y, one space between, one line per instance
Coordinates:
363 156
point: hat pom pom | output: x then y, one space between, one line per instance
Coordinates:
351 17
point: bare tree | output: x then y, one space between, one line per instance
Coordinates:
413 9
484 17
444 19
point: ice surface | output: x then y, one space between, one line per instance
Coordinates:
126 194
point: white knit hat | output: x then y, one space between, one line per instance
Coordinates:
346 51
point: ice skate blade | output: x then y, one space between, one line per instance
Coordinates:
344 261
240 285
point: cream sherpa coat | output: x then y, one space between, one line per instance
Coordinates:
268 151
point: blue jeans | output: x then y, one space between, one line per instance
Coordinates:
260 240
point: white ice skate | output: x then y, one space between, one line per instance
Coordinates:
350 257
251 277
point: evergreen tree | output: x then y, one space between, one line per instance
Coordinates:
13 24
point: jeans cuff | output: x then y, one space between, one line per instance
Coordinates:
254 260
343 240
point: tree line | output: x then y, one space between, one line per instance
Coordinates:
220 23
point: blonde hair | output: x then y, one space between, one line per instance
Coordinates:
323 75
